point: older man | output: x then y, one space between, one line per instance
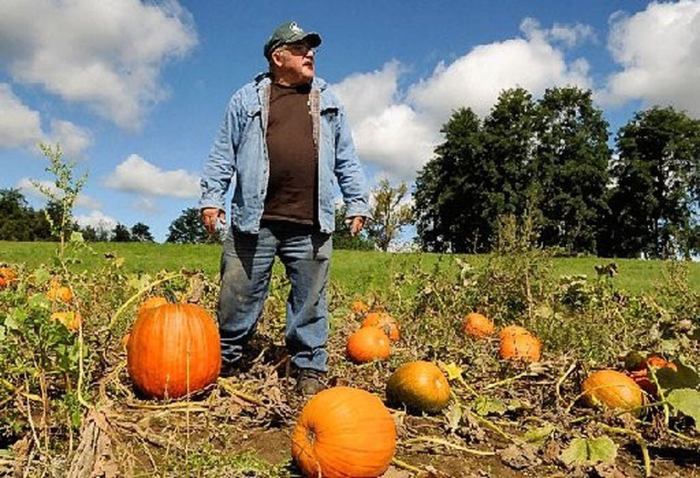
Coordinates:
283 144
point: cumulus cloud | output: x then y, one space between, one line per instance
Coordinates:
397 131
135 174
658 50
97 220
20 127
29 188
107 55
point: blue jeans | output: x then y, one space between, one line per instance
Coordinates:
246 267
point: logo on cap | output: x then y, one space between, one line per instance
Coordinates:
295 28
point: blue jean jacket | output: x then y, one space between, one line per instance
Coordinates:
239 157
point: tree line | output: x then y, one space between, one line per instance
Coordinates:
550 159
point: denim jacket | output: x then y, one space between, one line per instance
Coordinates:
239 157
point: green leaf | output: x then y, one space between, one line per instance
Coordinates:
589 451
538 435
486 406
454 417
687 402
684 377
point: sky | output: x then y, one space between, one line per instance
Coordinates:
134 91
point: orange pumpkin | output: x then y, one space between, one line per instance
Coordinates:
612 389
385 322
477 325
641 376
59 292
419 385
151 302
368 344
7 275
358 307
521 345
71 320
172 350
344 432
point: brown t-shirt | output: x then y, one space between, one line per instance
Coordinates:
292 186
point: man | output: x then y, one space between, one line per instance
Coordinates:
284 141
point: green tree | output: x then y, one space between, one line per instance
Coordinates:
188 229
121 233
570 169
655 204
18 220
140 232
342 238
448 191
390 213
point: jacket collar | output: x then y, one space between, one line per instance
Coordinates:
263 79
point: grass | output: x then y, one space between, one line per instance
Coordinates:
358 271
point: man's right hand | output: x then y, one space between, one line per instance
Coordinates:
210 216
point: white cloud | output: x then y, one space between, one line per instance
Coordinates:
135 174
146 205
20 127
97 220
476 79
396 131
106 54
658 50
73 139
28 187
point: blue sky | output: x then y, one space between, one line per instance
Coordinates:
135 91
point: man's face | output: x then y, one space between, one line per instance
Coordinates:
295 61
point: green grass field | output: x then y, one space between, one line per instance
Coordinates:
354 271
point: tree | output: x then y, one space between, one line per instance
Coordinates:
342 238
19 221
389 213
140 232
448 191
655 204
571 169
121 233
188 229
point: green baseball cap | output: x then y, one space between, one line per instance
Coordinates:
290 32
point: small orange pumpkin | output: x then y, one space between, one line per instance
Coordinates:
368 344
58 292
419 385
172 350
358 307
344 432
71 320
7 275
612 389
520 345
385 322
151 302
477 325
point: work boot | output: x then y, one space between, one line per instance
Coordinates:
310 382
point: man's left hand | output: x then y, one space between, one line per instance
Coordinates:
356 225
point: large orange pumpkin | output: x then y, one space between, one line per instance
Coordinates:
368 344
512 330
477 325
385 322
344 432
520 345
419 385
172 350
612 389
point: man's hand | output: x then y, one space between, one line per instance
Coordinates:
210 216
356 224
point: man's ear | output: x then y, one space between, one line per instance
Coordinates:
276 57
